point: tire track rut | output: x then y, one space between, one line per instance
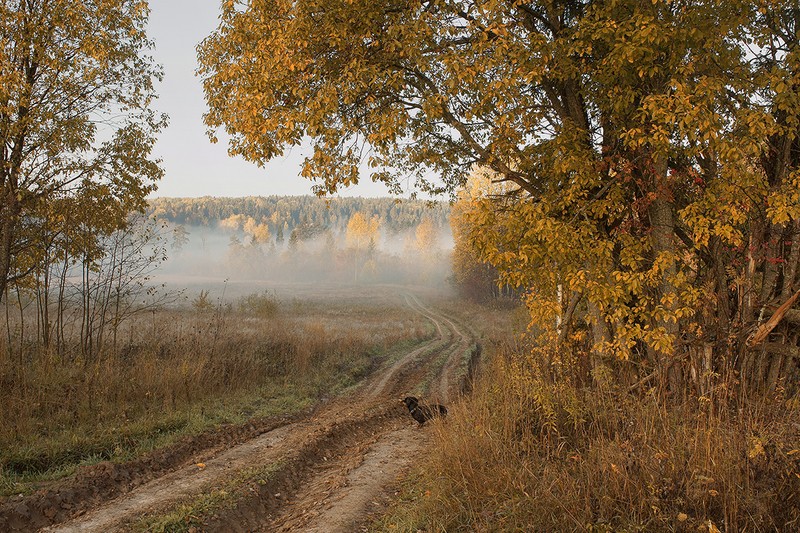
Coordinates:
361 482
330 469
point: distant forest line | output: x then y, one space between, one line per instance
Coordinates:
309 214
300 238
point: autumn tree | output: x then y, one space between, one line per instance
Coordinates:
649 150
76 87
427 236
422 250
362 238
473 276
233 222
258 232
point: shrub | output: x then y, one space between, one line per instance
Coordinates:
264 305
526 453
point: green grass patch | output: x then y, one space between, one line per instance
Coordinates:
59 455
193 512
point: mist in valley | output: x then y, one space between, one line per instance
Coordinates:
234 259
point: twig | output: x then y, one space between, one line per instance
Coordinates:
642 381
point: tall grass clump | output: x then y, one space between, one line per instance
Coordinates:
528 452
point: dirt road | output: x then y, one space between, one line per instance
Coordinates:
331 471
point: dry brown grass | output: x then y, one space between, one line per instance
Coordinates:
182 371
527 454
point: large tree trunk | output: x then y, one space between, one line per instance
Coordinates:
724 312
662 223
791 265
771 267
600 336
6 238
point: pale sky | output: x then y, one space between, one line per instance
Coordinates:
195 167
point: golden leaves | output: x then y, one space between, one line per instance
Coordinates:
65 67
361 231
581 116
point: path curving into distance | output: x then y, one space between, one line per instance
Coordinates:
328 472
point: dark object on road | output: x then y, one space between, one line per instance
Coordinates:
423 413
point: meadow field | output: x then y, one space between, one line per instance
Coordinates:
225 357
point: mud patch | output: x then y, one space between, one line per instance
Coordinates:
346 498
261 500
91 485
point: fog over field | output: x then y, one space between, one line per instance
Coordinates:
231 259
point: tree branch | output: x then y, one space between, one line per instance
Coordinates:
762 332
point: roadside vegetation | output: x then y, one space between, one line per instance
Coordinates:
183 371
530 450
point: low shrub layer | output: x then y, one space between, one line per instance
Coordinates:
525 453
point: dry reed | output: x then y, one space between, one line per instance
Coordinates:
526 453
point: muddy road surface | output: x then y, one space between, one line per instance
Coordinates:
332 470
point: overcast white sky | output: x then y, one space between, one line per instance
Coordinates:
195 167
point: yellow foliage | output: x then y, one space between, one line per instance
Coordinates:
65 69
361 231
629 152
